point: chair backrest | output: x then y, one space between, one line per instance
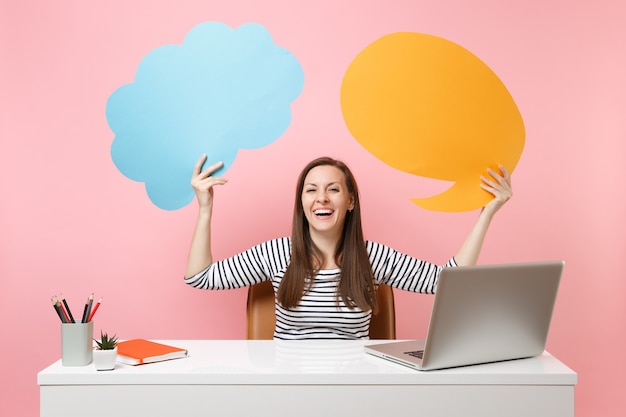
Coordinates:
261 314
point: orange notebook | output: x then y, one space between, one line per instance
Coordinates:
140 351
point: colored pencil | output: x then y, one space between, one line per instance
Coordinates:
67 310
86 309
58 309
94 310
89 309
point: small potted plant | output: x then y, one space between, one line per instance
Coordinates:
105 353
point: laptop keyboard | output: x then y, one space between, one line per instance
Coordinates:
416 353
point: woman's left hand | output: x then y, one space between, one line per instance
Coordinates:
499 186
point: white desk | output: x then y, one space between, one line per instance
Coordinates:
304 378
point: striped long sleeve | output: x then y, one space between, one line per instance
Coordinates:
320 314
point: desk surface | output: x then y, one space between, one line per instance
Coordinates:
261 362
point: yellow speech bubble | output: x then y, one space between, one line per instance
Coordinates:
429 107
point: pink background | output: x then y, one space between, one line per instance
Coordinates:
71 223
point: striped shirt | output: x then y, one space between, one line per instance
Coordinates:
320 315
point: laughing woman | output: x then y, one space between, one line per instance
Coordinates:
325 275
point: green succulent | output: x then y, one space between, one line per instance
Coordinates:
106 342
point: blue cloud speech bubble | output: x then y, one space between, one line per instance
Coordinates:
222 90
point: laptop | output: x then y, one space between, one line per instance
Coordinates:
482 314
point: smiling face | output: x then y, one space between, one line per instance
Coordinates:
326 200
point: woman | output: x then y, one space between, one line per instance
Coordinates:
325 275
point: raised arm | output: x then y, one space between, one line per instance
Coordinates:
200 250
500 187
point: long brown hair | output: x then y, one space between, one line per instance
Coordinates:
356 286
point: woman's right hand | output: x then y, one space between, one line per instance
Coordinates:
202 182
200 255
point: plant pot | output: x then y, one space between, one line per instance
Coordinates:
104 360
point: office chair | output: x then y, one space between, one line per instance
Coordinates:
261 315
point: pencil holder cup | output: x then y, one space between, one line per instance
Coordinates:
76 344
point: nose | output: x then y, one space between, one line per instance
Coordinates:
322 196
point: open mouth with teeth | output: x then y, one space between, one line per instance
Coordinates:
323 213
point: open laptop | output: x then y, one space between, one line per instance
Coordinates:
481 314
